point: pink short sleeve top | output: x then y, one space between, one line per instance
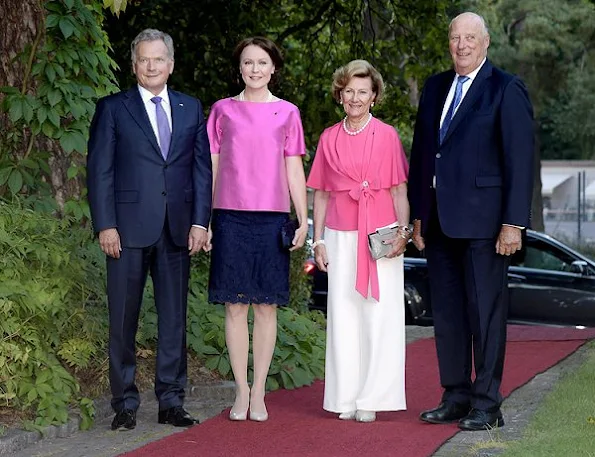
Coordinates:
358 172
252 140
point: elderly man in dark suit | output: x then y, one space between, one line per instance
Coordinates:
149 182
470 185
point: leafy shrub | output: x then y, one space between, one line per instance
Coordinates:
52 298
299 354
47 291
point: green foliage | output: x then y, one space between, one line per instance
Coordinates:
300 287
52 295
67 68
48 295
299 354
551 45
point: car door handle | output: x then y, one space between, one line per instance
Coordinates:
516 277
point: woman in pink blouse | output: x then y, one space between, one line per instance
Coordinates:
359 175
257 143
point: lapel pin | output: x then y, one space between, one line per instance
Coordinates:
181 104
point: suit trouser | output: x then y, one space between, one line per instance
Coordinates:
469 292
169 266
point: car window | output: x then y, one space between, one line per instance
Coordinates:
543 256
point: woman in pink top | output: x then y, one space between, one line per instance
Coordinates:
360 173
257 143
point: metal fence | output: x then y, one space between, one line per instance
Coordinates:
569 213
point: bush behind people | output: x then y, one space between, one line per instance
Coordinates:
54 327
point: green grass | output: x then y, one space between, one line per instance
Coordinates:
564 426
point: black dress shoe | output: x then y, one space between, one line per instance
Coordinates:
124 420
445 413
176 416
481 420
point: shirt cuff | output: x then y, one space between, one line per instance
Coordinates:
199 226
516 226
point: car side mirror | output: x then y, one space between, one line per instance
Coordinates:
579 267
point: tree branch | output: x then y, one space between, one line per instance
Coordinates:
31 59
304 25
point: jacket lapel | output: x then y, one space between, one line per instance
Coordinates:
474 92
177 115
440 100
135 106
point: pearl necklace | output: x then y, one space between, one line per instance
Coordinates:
360 130
269 99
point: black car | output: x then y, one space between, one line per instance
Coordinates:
549 283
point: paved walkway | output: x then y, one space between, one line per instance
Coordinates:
209 400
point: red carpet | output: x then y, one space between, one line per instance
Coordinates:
299 427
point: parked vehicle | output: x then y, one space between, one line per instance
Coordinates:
549 283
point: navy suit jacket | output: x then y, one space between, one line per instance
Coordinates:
131 187
484 167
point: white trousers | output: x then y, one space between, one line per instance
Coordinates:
365 342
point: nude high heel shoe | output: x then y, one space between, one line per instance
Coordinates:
258 417
238 416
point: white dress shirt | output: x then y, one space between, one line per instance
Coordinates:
451 92
150 107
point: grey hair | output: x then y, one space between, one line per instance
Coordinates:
480 19
152 35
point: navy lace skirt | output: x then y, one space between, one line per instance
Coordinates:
248 263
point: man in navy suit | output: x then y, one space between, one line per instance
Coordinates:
149 184
470 185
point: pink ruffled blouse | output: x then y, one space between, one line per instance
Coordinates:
359 171
252 140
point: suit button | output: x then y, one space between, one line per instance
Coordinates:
438 155
164 193
165 167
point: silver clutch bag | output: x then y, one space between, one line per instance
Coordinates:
375 241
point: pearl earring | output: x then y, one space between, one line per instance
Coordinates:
372 105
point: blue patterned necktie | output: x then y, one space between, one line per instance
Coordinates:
453 106
162 127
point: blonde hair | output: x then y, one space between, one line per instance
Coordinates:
357 69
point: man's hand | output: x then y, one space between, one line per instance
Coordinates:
197 238
300 237
509 240
109 240
418 240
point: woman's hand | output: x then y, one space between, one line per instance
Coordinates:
399 244
208 246
321 257
300 237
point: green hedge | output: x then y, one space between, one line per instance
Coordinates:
54 319
48 288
